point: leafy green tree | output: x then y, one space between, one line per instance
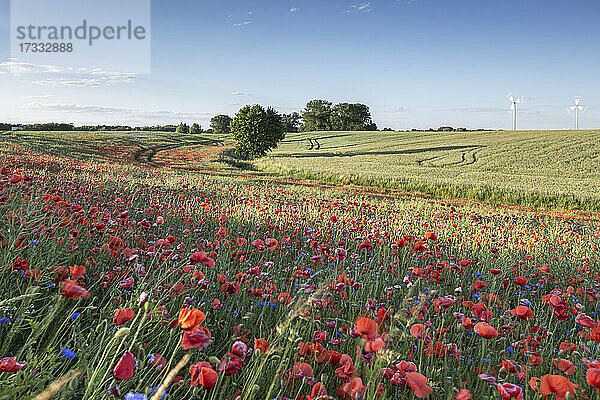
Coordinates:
351 117
316 116
182 128
257 130
291 122
195 128
220 124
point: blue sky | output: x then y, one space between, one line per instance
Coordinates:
416 63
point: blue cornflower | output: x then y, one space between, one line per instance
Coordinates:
5 320
154 389
74 316
135 396
70 354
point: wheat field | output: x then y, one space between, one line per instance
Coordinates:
540 168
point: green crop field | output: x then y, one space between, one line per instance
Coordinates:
540 168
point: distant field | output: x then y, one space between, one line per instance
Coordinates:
541 168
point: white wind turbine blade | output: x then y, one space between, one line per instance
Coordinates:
572 108
577 101
581 108
512 106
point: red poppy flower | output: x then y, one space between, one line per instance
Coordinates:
302 370
10 364
198 339
382 315
430 236
366 327
231 287
271 243
520 280
230 364
318 391
557 384
203 374
124 368
591 363
374 345
564 366
116 243
468 323
406 366
586 321
123 315
418 383
355 388
258 244
20 264
239 349
16 178
593 377
73 290
510 391
261 345
190 319
464 394
535 360
485 330
523 312
334 357
346 369
77 271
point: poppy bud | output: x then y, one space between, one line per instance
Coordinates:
122 333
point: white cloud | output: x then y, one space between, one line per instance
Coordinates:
393 109
54 75
116 112
293 9
479 109
243 23
18 68
239 94
365 7
42 96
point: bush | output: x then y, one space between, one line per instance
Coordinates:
257 130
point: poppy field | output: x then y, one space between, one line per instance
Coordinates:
141 267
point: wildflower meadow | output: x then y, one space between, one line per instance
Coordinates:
143 267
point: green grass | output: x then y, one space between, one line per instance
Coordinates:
537 168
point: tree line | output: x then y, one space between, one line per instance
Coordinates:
256 129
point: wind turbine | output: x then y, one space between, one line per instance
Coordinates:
577 108
513 108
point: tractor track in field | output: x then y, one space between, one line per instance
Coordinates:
145 155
